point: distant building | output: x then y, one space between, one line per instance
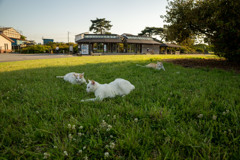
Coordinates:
14 35
46 41
30 42
10 32
18 42
5 44
113 43
122 44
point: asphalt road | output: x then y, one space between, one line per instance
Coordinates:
8 57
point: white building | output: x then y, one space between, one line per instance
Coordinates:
5 44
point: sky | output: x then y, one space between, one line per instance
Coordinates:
37 19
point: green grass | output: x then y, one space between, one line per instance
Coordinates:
157 120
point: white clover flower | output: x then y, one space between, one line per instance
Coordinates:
227 111
229 130
106 154
109 126
70 136
74 139
136 119
84 147
200 116
214 117
112 145
54 146
46 155
108 129
73 127
37 112
86 157
111 136
80 134
225 132
81 127
108 115
107 146
69 126
103 124
65 153
114 116
224 113
80 151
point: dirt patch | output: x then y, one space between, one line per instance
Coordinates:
207 63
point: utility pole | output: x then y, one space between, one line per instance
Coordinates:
68 44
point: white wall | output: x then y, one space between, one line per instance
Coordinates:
5 41
152 49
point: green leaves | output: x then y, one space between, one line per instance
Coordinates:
217 20
100 25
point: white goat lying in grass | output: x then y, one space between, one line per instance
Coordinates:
119 87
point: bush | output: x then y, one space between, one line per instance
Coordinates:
50 48
36 49
186 50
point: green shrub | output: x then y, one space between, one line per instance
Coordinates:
36 49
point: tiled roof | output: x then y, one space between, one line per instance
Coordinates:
6 37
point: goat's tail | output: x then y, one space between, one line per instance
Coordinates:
140 65
59 76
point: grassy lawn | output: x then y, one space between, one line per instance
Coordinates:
182 113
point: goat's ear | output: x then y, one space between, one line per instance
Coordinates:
93 82
89 81
83 73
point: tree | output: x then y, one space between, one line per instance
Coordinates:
23 37
218 20
100 25
150 31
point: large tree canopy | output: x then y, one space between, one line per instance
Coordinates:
218 20
100 25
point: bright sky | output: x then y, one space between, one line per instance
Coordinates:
55 18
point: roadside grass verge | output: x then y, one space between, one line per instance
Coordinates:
182 113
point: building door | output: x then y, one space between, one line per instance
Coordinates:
5 46
85 49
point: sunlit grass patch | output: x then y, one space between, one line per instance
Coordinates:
31 64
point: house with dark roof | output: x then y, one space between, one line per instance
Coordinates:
113 43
